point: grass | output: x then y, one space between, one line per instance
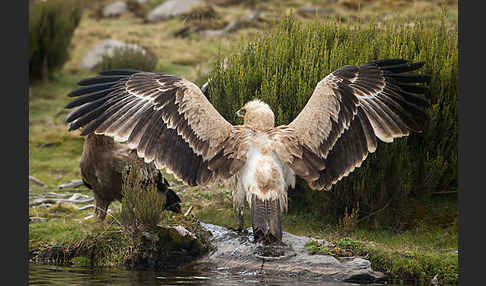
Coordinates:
54 152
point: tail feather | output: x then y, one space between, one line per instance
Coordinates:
266 220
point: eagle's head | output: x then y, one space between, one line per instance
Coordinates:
257 114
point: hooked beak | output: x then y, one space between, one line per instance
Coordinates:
238 114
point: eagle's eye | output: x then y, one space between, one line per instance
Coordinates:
242 111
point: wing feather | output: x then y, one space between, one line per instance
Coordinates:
168 120
348 110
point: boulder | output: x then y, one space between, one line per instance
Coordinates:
105 47
171 9
238 253
311 12
114 9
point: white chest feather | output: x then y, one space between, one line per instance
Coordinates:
264 174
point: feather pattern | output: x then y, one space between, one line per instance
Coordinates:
347 111
168 120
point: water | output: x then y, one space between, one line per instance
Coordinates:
71 275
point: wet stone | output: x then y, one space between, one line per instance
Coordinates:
237 252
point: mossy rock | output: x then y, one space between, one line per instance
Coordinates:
182 240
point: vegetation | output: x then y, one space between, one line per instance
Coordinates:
411 265
128 58
51 26
141 203
132 236
282 68
414 244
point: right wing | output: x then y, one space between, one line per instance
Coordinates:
347 111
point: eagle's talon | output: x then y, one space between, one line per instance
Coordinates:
239 230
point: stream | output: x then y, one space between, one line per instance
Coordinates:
74 275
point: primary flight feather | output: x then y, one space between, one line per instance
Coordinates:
170 122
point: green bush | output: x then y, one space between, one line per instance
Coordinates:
282 68
141 203
128 58
51 26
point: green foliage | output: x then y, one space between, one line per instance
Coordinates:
314 247
141 203
51 26
349 243
345 247
415 266
282 68
128 58
405 265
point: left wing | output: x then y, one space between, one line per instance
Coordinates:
348 109
167 119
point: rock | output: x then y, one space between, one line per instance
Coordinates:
105 47
252 19
184 232
236 252
33 219
170 9
310 12
114 9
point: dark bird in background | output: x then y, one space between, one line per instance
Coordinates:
169 121
102 164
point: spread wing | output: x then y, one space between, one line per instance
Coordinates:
167 119
348 109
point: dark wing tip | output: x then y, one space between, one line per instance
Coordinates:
388 62
100 79
120 72
405 67
205 88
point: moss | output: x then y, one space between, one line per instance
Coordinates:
314 247
161 247
412 266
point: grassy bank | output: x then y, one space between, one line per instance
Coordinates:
426 248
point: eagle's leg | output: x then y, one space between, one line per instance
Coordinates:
101 207
239 205
241 218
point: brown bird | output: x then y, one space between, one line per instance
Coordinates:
170 122
101 165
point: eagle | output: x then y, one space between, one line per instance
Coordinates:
169 121
102 164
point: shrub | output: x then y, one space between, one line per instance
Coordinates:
141 203
349 222
128 58
51 26
282 68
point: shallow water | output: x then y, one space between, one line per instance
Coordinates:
71 275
